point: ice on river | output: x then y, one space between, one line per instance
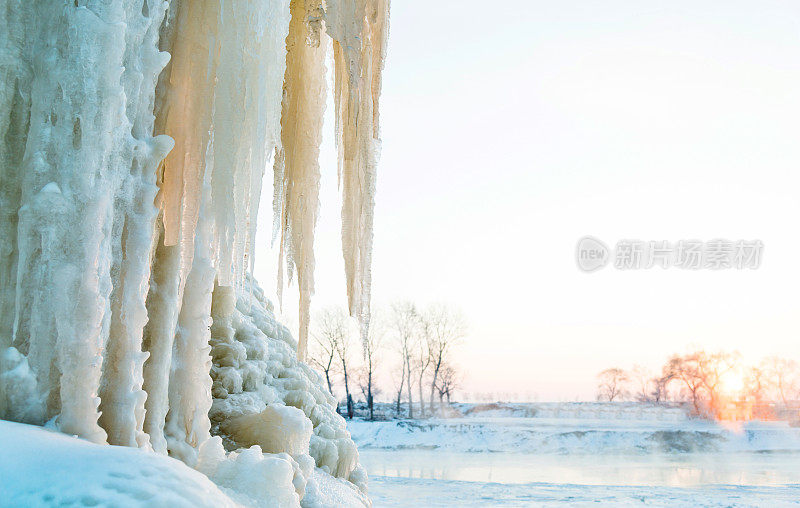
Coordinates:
576 457
388 491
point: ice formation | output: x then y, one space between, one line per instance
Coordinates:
297 166
134 139
358 30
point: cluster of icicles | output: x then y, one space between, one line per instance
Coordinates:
135 135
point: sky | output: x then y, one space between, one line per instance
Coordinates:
512 129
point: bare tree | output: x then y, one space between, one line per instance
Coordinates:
399 386
756 386
612 384
756 383
448 382
685 369
370 351
649 388
363 381
334 327
659 385
326 333
421 362
443 328
643 382
405 324
702 375
713 368
783 376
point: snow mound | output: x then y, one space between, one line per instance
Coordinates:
42 467
254 478
45 468
324 490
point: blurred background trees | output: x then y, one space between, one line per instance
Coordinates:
718 385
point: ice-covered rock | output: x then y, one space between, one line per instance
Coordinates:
264 396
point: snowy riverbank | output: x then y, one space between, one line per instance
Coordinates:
578 453
568 428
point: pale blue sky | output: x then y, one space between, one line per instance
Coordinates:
512 129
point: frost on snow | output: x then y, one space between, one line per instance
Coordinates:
134 137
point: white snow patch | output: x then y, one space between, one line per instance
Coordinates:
44 468
575 428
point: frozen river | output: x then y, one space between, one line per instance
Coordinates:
579 460
442 478
684 470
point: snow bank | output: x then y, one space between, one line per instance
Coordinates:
40 467
254 478
575 435
576 410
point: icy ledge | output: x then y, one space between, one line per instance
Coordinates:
277 439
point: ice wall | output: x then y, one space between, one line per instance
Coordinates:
134 137
79 182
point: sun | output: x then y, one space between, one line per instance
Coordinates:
731 383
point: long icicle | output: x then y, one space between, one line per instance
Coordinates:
297 164
360 30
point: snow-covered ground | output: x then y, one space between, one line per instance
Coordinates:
43 468
574 454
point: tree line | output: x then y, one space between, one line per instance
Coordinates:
708 382
411 346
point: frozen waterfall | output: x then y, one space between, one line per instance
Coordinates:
134 136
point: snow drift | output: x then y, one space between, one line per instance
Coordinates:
134 137
39 469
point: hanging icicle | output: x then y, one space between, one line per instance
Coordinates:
134 137
359 29
297 163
